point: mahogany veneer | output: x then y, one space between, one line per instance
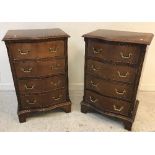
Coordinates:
39 64
113 65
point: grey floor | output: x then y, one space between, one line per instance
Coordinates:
74 121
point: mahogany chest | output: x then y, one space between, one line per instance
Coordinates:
113 65
39 65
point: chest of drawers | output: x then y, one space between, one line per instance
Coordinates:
39 65
113 65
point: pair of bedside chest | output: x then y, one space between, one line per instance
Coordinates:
113 65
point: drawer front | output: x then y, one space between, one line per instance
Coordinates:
120 91
112 72
39 68
41 85
43 100
37 50
107 104
113 52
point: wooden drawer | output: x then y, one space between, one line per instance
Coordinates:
43 100
37 50
41 85
39 68
107 104
120 91
112 72
114 52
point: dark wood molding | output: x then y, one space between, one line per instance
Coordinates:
121 36
35 35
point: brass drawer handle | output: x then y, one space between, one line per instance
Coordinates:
29 87
93 68
31 102
26 70
94 101
126 57
118 109
57 98
97 51
56 83
94 85
120 93
52 50
55 67
122 76
22 52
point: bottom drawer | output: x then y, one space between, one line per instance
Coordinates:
107 104
43 100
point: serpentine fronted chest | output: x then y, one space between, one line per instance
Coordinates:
39 64
113 64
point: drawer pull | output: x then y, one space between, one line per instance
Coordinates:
122 76
93 68
57 98
97 51
22 52
126 57
29 87
26 70
55 67
120 93
94 85
118 109
93 100
55 83
31 102
52 50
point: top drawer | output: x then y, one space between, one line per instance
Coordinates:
37 50
114 52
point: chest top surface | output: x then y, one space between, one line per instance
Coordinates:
121 36
34 34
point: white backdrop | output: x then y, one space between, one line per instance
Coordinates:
76 50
